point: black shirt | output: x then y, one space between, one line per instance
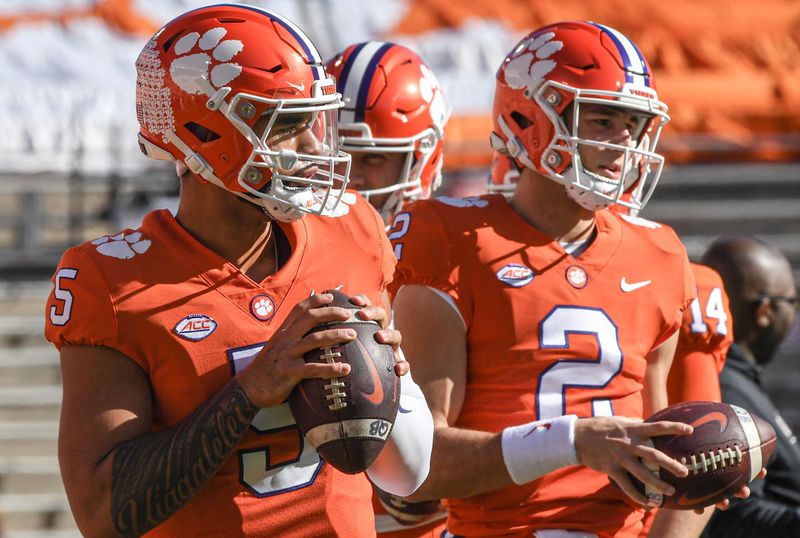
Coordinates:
773 509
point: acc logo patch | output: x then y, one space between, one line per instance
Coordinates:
195 327
515 275
262 307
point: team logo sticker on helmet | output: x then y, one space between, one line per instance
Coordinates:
515 275
195 327
187 69
528 69
577 276
262 307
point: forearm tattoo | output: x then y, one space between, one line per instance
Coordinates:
154 475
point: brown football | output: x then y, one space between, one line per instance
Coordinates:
726 450
348 419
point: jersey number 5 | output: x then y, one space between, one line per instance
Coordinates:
63 297
287 462
590 373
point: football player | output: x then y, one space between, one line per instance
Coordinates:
180 341
392 124
545 308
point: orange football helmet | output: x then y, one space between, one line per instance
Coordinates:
211 79
570 64
393 104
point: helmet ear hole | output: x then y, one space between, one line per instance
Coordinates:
521 120
203 134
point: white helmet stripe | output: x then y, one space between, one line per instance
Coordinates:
632 58
359 65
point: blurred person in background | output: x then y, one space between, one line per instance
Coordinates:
763 294
181 340
393 125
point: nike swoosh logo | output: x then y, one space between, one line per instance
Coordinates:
716 416
539 427
632 286
376 395
401 410
298 87
685 500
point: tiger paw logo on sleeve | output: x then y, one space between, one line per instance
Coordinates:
122 246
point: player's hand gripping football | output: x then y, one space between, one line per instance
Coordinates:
280 366
615 446
386 335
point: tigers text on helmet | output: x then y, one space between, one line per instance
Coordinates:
392 104
240 95
542 86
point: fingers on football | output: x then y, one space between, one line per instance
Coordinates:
656 457
663 427
722 505
637 469
389 336
308 319
322 339
374 313
621 478
314 301
360 300
324 370
742 493
402 368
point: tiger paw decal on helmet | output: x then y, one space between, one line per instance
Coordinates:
186 69
529 68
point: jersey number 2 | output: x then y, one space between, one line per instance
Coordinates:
287 462
590 373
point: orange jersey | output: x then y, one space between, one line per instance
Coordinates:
547 334
190 319
706 335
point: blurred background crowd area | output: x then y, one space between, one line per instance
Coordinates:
71 170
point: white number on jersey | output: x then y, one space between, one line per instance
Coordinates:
64 295
589 373
261 475
714 310
399 229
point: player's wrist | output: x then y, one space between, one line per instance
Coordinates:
534 449
247 385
